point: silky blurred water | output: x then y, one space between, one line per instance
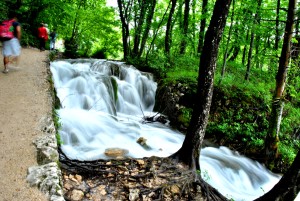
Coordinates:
103 105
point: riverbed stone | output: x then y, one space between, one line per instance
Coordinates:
116 152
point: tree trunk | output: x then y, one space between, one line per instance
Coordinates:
168 39
202 25
289 185
247 75
123 10
185 26
256 17
189 153
227 44
140 17
245 49
156 31
236 50
277 37
148 25
272 138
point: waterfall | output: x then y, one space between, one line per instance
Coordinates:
103 105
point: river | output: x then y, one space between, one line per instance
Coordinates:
103 105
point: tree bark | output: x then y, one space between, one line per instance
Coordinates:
277 37
124 10
140 17
227 44
189 153
202 25
245 49
272 138
289 185
149 19
168 39
185 26
256 17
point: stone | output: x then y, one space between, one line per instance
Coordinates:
116 152
76 195
134 194
46 149
47 179
140 162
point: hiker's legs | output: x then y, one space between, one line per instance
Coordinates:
10 48
5 62
6 51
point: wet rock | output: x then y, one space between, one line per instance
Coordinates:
116 152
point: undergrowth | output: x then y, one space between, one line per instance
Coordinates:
240 109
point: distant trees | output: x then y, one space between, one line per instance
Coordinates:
136 18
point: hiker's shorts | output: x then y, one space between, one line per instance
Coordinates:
11 47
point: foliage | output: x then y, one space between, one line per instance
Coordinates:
57 125
71 48
115 88
185 116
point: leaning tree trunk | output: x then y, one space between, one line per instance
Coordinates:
189 153
272 138
289 185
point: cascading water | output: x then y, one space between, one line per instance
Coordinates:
102 106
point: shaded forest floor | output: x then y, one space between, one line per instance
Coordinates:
144 179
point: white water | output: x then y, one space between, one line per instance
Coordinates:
94 119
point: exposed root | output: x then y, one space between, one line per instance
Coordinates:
144 179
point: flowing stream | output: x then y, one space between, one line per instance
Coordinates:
102 106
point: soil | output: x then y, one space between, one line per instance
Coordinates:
24 101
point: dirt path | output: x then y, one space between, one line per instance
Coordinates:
23 102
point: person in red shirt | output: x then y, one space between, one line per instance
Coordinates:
43 36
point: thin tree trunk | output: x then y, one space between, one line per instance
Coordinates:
138 29
277 37
168 39
125 27
256 17
247 75
272 138
245 49
155 34
202 25
236 50
185 26
148 25
227 44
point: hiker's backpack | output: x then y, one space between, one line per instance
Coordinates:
6 30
